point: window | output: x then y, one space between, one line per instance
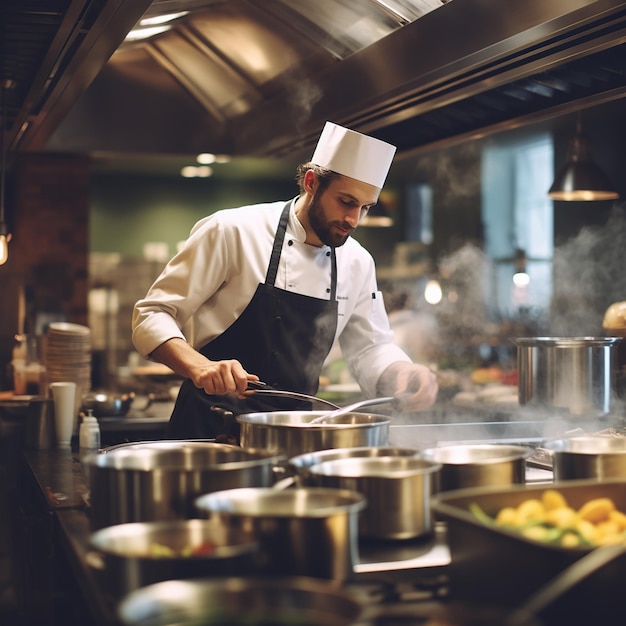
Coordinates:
518 221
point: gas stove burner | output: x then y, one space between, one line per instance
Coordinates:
395 603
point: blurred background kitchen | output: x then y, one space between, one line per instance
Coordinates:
116 142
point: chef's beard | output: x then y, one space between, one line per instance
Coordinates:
322 227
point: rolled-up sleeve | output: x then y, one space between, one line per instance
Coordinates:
187 282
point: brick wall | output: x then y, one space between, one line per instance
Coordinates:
48 214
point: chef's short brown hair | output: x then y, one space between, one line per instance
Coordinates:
324 175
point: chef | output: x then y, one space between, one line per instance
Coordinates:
266 289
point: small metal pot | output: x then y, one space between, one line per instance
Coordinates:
250 601
575 376
159 480
479 465
588 457
123 556
107 403
398 492
301 532
291 434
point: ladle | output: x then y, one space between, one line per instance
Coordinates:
320 419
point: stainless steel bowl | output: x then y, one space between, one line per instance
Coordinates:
125 557
301 532
237 601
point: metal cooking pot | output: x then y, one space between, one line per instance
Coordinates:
250 601
588 457
297 467
159 480
123 557
301 531
107 403
571 375
290 432
479 465
398 492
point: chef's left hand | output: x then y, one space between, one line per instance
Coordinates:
414 386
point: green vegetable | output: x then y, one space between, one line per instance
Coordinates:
480 514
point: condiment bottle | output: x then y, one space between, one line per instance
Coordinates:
89 434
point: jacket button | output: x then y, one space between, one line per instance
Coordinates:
278 319
328 253
290 242
328 290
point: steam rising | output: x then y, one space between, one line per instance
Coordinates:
589 276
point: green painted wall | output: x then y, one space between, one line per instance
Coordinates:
129 210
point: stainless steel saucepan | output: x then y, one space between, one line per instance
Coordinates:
291 433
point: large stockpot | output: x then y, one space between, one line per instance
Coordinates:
237 601
571 375
301 532
592 457
128 556
398 492
290 432
478 465
159 480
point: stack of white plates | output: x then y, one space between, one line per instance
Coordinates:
68 358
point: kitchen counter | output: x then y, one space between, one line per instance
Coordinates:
51 529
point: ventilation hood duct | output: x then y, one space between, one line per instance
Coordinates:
466 69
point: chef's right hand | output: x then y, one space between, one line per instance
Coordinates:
223 377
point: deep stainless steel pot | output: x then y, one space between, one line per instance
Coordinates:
479 465
571 375
301 531
297 467
250 601
398 492
591 457
291 434
159 480
125 557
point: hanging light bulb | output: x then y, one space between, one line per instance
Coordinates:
432 292
520 277
5 236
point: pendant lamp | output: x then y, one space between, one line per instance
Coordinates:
581 178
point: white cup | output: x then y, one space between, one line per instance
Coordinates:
64 398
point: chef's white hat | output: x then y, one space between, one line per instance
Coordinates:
352 154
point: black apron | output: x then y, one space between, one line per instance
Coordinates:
283 337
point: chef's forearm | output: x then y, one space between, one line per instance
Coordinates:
180 357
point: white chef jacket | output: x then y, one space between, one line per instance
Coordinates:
215 275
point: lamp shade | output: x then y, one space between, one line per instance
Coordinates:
581 178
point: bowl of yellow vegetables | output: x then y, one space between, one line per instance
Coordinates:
505 544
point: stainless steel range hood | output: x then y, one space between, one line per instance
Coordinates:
466 69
